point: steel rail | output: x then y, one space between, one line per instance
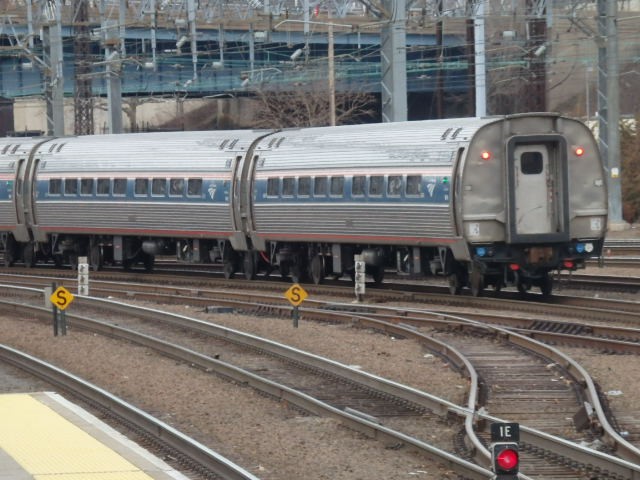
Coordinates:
570 450
618 443
153 427
281 392
628 466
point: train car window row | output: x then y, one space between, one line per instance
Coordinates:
118 187
361 185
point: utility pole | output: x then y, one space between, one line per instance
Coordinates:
111 42
439 93
54 92
332 71
471 59
393 54
480 59
536 94
83 95
191 19
609 105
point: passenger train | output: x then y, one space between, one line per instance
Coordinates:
491 201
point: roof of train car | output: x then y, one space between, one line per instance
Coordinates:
168 151
429 142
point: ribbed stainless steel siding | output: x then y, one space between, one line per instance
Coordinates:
138 216
337 220
399 147
8 214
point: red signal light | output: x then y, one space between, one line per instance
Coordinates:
514 267
485 155
507 459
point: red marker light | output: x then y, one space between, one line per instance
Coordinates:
579 151
568 264
514 267
507 459
485 155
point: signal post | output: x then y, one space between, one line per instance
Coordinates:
505 455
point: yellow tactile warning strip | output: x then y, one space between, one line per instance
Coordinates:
48 446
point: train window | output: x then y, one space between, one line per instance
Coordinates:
288 186
304 186
158 186
531 163
394 185
376 185
119 186
194 187
358 185
102 186
176 187
414 184
71 186
55 186
141 186
273 187
337 186
86 186
320 186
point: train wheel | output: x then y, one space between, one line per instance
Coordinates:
476 282
378 274
317 269
229 263
523 287
455 285
73 261
10 252
148 261
29 255
58 260
229 269
284 269
95 257
546 285
296 273
299 269
250 265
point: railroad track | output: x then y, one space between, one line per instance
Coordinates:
535 446
192 455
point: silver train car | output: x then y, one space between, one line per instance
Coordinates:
492 201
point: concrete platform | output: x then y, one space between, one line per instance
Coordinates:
43 436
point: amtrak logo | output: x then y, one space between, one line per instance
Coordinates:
431 188
212 191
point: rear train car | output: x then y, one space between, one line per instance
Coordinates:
490 201
531 198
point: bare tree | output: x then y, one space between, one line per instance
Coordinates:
308 106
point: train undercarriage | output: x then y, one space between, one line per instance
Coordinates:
305 262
